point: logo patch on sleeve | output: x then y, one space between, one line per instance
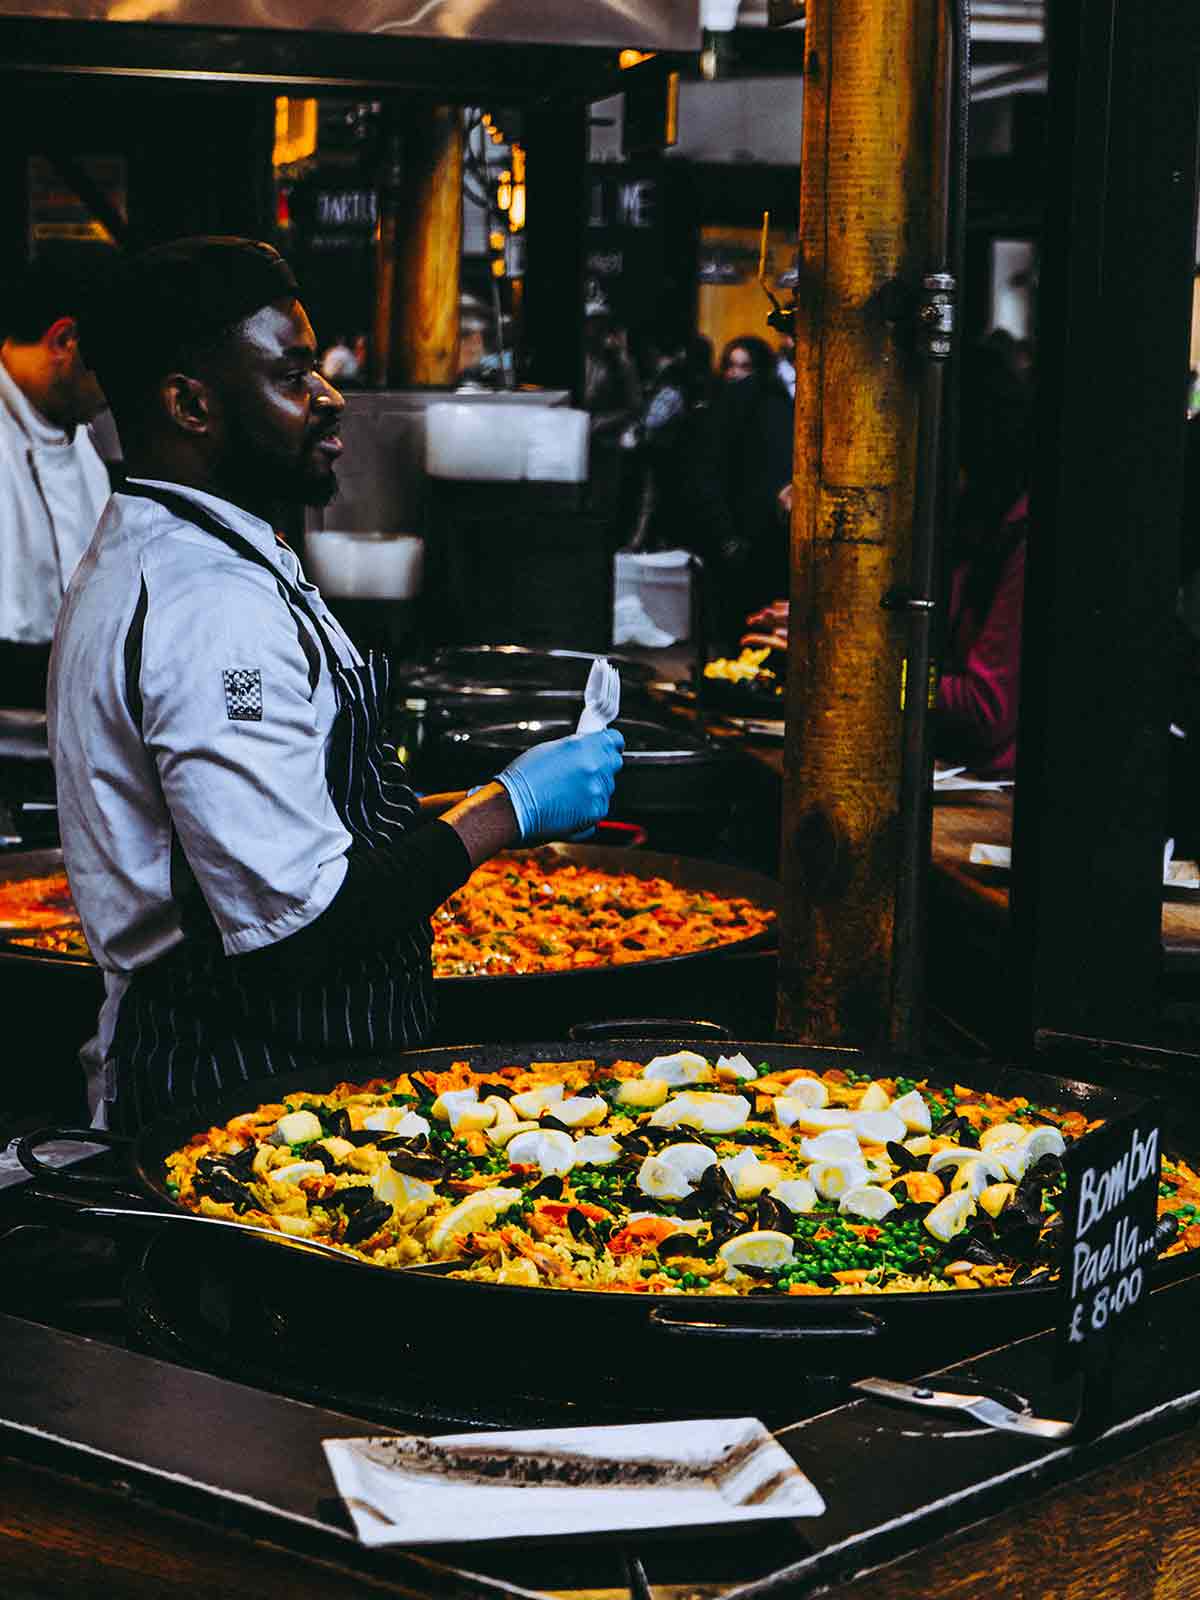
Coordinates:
243 693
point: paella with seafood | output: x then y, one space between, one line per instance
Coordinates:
515 914
673 1175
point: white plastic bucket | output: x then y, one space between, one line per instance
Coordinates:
365 566
661 582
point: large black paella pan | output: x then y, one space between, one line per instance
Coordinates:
666 1342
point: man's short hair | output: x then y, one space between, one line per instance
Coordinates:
35 296
167 306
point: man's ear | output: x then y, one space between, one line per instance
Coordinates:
187 402
61 338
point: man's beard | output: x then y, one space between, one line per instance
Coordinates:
267 475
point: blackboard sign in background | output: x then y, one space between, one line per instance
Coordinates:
1110 1212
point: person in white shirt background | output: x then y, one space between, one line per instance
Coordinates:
53 484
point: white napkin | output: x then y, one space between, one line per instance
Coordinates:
1176 874
601 697
727 1470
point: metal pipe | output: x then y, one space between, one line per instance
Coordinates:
932 509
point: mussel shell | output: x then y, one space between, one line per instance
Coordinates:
319 1153
910 1210
423 1092
501 1090
352 1199
726 1224
772 1214
826 1280
959 1129
1026 1275
549 1188
549 1120
337 1123
363 1136
695 1205
762 1274
1166 1232
225 1189
415 1165
976 1250
685 1244
403 1141
902 1158
366 1220
581 1227
716 1186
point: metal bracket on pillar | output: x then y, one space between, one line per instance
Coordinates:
937 315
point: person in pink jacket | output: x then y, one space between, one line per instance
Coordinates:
975 718
975 722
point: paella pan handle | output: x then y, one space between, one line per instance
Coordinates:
62 1177
646 1028
860 1325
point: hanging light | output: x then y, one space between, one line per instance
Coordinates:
504 191
516 212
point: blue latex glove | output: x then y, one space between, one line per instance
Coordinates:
564 786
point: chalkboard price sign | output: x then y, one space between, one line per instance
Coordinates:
1109 1217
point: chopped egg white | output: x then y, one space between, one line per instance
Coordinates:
874 1098
1044 1141
444 1106
831 1146
866 1200
952 1156
797 1194
581 1111
299 1127
685 1066
750 1176
736 1067
708 1113
974 1176
505 1115
693 1160
912 1111
295 1170
596 1150
339 1149
547 1148
643 1094
534 1101
1002 1135
793 1113
808 1091
831 1179
503 1133
400 1190
878 1127
472 1117
661 1181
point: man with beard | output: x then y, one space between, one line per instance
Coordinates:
253 877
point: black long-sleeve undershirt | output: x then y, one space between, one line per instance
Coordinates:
385 890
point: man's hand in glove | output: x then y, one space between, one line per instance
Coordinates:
563 787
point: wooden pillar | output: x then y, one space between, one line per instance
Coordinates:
867 160
424 322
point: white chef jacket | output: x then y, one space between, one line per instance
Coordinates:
52 491
228 764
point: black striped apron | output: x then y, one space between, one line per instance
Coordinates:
189 1026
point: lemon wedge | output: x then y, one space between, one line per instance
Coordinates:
478 1210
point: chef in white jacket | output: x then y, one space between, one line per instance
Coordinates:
53 485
